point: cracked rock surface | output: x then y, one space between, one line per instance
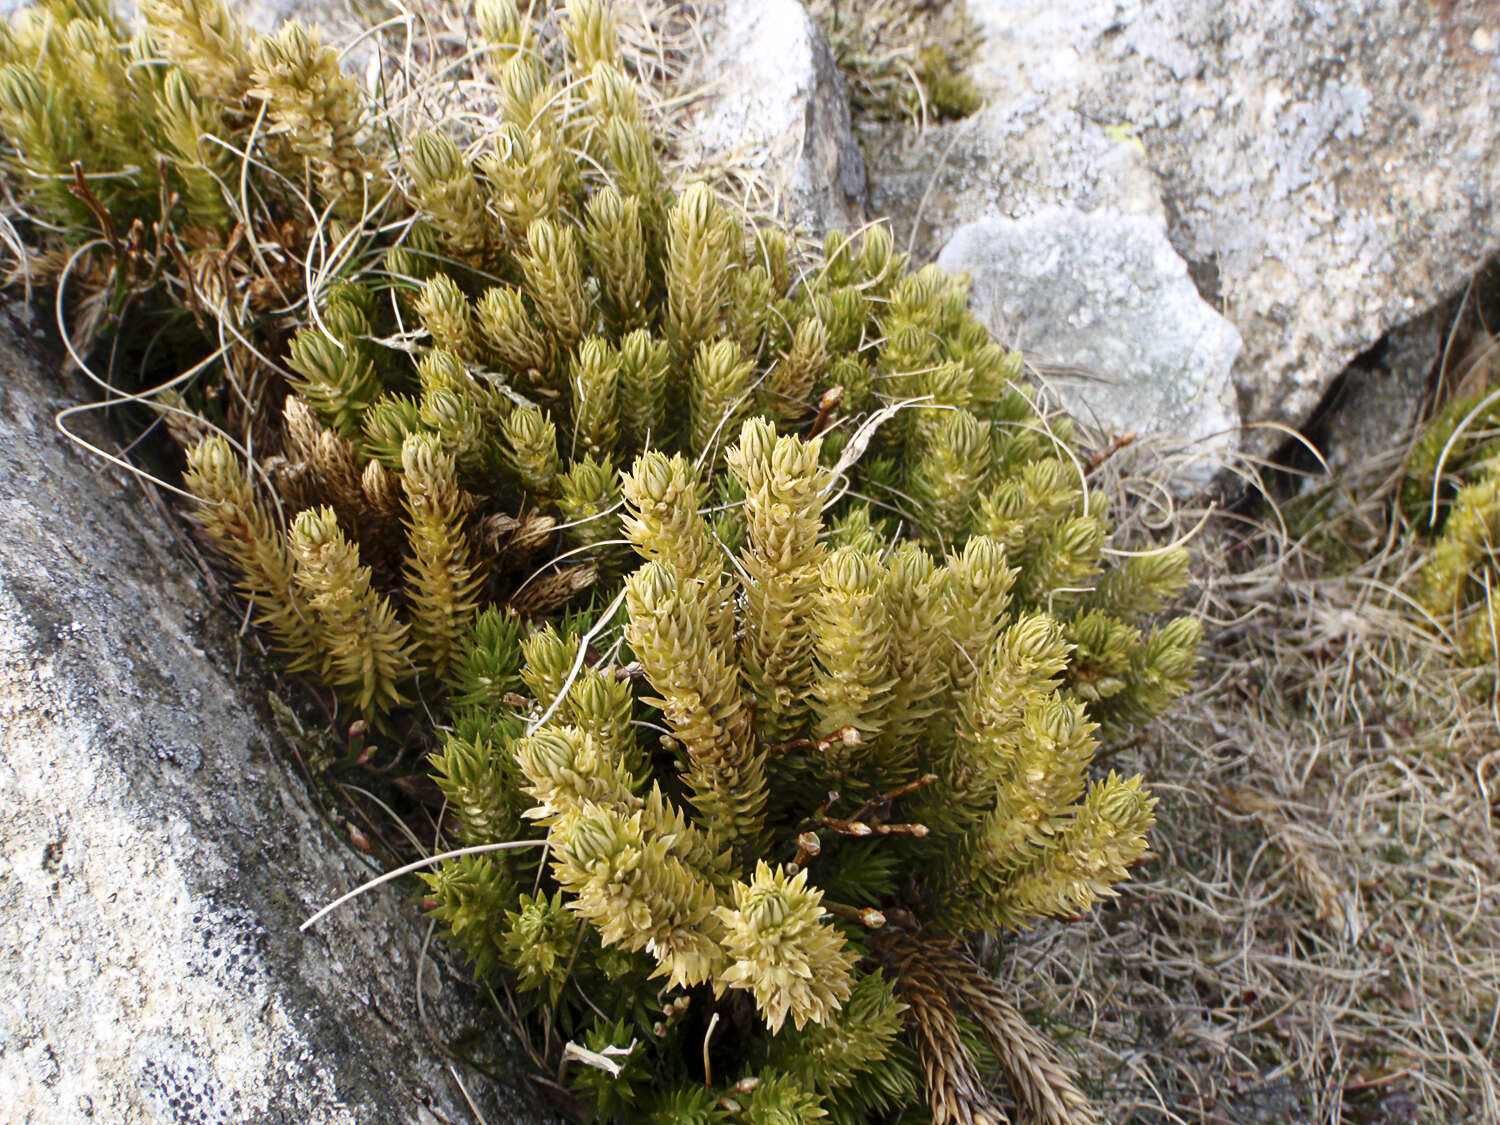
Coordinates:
157 854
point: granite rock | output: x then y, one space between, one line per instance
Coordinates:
1377 402
1328 170
157 853
1102 302
772 106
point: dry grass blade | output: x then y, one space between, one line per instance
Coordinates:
1335 908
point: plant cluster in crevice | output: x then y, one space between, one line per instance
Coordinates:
442 385
1452 492
903 60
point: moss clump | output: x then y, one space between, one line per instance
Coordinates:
1460 439
869 754
1458 580
903 59
446 383
1451 493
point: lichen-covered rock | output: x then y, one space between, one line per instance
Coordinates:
157 856
1328 171
773 104
1104 295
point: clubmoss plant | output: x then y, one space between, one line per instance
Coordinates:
440 386
868 755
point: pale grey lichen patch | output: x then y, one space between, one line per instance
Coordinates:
156 858
1104 294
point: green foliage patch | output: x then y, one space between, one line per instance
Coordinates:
903 59
852 631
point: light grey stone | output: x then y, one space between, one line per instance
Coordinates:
1328 169
1104 294
157 855
340 21
773 105
1028 148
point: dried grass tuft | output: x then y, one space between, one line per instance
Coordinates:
903 60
